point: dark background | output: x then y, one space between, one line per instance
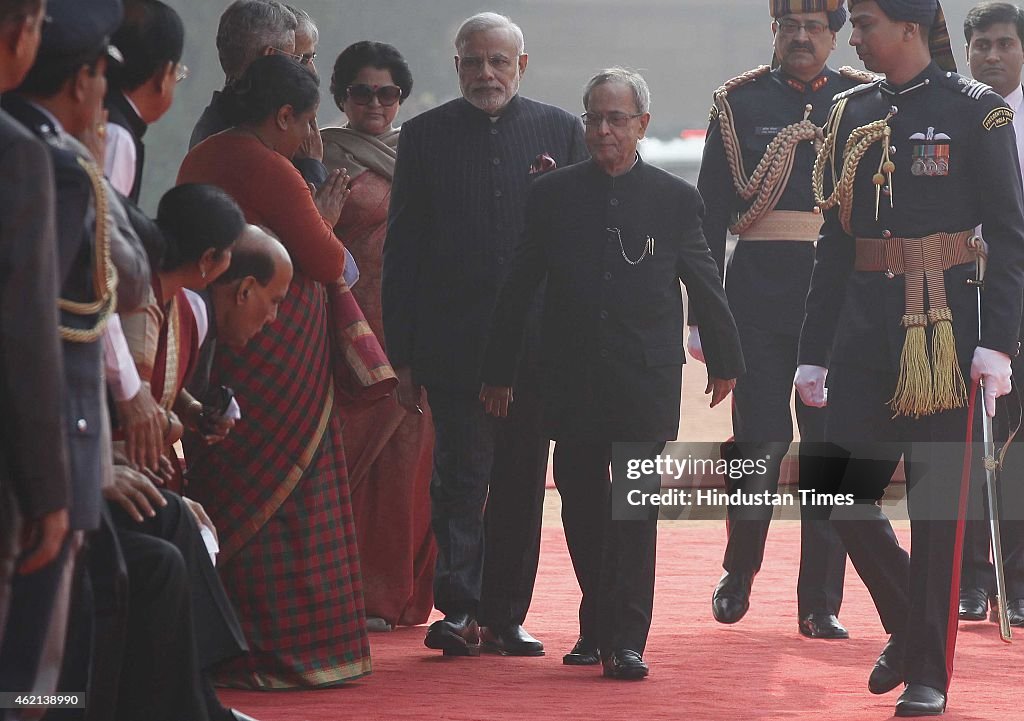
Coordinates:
684 48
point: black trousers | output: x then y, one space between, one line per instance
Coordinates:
487 503
978 571
218 634
763 426
914 593
614 561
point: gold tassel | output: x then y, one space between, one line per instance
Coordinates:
949 387
913 397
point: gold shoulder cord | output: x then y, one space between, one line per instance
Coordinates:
860 140
768 181
104 272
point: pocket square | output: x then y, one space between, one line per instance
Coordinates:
542 163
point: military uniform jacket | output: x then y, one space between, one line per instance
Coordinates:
455 218
965 130
767 281
612 349
84 391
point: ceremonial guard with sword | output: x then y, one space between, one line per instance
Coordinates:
911 165
767 122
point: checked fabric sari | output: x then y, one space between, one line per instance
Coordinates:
277 490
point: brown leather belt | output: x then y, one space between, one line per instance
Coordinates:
889 255
785 225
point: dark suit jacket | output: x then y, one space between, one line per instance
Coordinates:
455 218
122 113
613 330
83 392
33 452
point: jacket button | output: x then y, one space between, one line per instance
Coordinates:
889 274
494 131
604 315
614 201
497 193
604 352
496 161
501 260
82 425
886 233
607 276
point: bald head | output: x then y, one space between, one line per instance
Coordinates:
247 296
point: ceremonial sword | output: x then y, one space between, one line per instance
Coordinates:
992 468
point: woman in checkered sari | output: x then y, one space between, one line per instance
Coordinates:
277 488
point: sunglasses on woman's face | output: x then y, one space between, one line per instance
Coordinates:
362 94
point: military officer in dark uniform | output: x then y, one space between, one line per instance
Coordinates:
766 123
910 167
613 237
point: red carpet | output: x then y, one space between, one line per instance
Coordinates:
758 670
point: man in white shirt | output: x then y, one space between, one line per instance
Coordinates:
994 32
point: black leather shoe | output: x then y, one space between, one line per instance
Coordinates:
624 664
584 653
920 700
732 597
1015 610
888 671
512 640
973 604
822 625
457 634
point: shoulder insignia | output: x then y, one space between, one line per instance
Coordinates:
997 118
742 79
857 89
861 76
713 114
971 88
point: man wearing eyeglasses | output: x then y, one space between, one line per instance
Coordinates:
761 122
456 209
611 237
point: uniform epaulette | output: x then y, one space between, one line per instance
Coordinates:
729 85
861 76
856 90
971 88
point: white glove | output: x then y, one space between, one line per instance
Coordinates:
810 384
693 346
992 368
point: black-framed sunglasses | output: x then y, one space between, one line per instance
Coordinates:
362 94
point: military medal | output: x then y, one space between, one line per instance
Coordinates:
930 157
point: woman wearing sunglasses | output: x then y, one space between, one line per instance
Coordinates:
389 450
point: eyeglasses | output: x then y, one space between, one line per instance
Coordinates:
304 59
615 120
181 73
362 94
792 27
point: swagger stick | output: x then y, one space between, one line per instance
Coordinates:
992 466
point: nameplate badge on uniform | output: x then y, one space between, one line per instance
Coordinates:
997 118
930 154
767 130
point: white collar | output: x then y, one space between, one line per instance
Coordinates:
1016 98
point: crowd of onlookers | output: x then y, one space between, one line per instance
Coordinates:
181 507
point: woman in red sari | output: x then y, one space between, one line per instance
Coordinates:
164 336
276 487
389 451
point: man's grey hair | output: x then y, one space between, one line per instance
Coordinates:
247 28
482 22
630 78
305 23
